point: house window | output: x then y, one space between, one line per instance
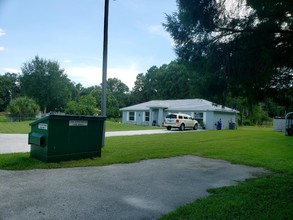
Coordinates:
131 116
198 115
146 116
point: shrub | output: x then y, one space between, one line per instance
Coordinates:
22 108
85 106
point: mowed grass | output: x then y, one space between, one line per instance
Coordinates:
253 146
268 197
24 128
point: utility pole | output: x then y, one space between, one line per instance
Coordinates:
105 58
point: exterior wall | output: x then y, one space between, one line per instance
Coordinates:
124 117
139 118
279 124
158 114
225 117
210 121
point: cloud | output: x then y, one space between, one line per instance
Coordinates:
2 32
11 70
91 75
160 31
157 29
67 61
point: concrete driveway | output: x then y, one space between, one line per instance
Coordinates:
143 190
17 143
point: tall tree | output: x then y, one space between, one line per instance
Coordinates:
146 85
170 81
137 94
119 90
96 93
9 89
44 81
175 82
242 46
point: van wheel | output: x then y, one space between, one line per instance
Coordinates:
195 127
182 127
169 128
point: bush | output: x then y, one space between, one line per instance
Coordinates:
85 106
22 108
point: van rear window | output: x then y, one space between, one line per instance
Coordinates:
171 116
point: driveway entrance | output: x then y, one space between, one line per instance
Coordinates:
143 190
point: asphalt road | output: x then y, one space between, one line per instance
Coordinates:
143 190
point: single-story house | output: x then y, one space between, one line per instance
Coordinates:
205 112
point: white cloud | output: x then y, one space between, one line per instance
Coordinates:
87 76
90 75
2 32
11 70
67 61
157 29
160 31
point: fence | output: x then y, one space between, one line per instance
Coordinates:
18 117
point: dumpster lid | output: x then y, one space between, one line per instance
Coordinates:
65 116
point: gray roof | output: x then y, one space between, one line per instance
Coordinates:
180 105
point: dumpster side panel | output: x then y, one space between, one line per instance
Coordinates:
69 137
39 148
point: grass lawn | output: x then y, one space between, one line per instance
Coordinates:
24 128
268 197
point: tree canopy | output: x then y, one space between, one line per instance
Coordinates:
9 89
44 81
87 105
244 47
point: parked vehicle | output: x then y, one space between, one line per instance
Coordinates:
180 121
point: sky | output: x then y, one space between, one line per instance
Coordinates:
71 33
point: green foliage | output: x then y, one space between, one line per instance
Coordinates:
243 48
46 83
250 114
113 95
170 81
8 89
85 106
119 90
112 106
23 107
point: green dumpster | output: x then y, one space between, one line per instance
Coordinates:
55 138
